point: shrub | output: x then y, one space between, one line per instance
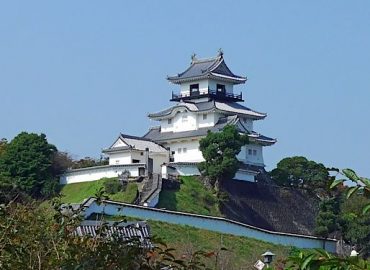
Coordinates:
112 186
209 199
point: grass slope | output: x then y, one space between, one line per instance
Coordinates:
77 192
241 253
192 197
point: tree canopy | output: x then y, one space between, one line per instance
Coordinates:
300 172
219 151
27 162
354 218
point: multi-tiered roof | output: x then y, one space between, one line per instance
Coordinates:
213 68
209 68
203 102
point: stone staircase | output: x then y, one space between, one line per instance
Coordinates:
149 188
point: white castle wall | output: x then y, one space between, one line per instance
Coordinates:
119 158
213 86
217 224
204 85
193 121
191 154
182 121
98 172
252 154
158 160
209 121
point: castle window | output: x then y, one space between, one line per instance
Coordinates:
117 161
169 121
184 150
249 151
179 150
194 89
204 116
221 88
254 152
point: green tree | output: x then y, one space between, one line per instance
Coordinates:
300 172
61 161
3 144
35 236
355 224
356 211
219 151
27 161
327 221
89 162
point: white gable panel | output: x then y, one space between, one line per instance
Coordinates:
119 143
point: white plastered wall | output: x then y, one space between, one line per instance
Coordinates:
191 154
158 160
182 121
185 87
118 158
119 143
138 155
210 120
252 154
213 86
96 173
204 85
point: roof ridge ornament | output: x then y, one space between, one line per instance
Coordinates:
220 52
193 58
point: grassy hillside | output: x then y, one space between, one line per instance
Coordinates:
241 253
192 197
77 192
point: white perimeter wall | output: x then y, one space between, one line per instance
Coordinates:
217 224
96 173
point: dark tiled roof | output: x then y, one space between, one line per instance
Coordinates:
155 134
116 149
135 142
136 231
215 68
224 107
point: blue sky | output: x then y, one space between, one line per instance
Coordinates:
83 71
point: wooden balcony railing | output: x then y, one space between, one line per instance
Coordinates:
220 95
